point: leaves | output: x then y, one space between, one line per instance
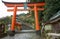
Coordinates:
5 20
51 8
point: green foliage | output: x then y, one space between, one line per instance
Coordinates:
5 20
27 18
51 8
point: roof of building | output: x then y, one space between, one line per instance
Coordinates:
54 18
15 2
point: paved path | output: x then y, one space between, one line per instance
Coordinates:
23 36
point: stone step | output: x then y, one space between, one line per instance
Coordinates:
26 31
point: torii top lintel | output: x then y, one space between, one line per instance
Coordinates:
18 4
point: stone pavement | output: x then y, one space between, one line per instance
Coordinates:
23 36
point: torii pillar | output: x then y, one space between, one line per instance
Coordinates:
36 18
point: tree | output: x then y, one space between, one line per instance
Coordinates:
51 7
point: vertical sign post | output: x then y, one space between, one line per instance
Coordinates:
25 6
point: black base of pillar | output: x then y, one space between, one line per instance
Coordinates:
38 32
11 33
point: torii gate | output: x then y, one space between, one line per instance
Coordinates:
35 6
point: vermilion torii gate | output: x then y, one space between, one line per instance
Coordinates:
29 4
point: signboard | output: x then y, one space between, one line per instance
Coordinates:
25 6
48 27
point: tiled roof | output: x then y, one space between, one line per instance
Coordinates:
14 0
55 16
18 2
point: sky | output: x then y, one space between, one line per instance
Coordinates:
3 8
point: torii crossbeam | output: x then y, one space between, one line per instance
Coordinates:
35 8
